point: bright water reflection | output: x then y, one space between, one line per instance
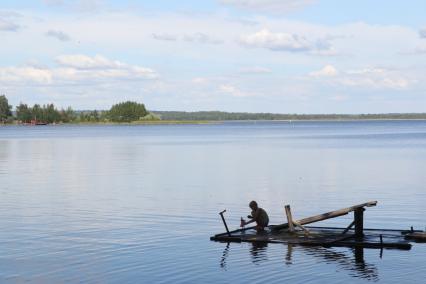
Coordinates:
126 204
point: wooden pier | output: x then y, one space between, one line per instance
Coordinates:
296 233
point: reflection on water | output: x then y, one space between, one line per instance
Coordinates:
4 153
289 254
351 260
258 252
224 256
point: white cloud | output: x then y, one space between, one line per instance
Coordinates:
422 33
54 2
76 69
195 37
283 42
7 21
27 74
376 78
59 35
420 50
326 71
80 61
234 91
201 38
77 5
9 14
200 80
370 78
339 98
255 70
367 71
72 75
8 26
166 37
243 21
272 6
376 83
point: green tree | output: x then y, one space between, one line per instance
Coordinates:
23 113
51 114
127 112
5 108
94 115
67 115
37 113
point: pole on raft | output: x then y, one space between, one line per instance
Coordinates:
224 222
359 222
289 218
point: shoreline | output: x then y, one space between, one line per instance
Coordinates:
204 122
154 122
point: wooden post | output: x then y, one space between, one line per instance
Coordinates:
359 222
292 223
224 222
289 218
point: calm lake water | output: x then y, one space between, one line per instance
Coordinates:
137 204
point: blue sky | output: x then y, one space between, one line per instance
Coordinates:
284 56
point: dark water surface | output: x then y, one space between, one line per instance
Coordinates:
137 204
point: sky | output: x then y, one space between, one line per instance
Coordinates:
280 56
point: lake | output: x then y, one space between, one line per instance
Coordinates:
137 204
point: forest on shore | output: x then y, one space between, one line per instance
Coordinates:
123 112
130 112
219 116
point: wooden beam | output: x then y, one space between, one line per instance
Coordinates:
349 227
289 218
328 215
301 227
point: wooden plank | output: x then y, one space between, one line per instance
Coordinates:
328 215
289 218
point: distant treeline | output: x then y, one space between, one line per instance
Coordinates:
48 113
134 112
218 115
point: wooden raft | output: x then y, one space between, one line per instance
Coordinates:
294 232
416 236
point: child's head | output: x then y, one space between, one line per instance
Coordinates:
253 205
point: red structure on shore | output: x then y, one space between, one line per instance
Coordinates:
37 122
